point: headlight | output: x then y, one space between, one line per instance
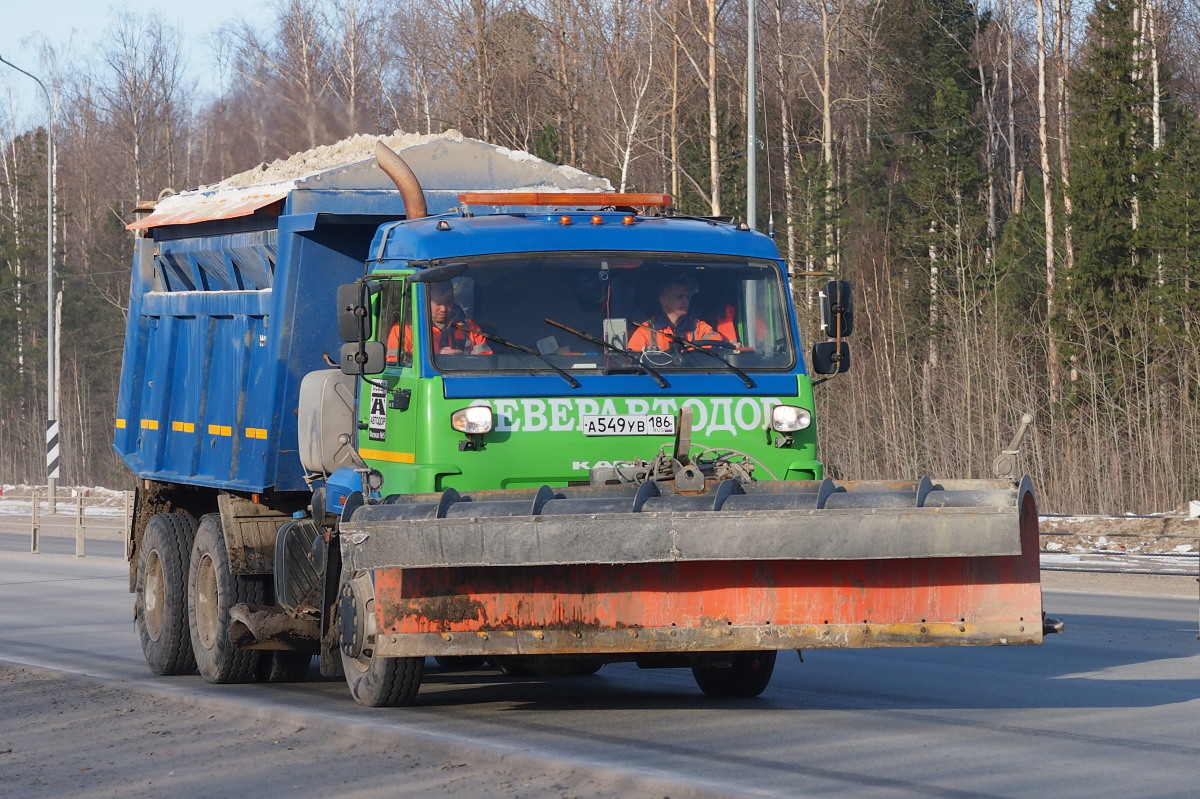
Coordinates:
789 418
473 420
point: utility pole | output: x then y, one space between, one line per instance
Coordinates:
751 121
52 435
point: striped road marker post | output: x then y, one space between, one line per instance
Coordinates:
52 456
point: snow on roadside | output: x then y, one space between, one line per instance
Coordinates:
1130 564
97 501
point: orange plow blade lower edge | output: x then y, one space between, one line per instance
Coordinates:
716 606
625 610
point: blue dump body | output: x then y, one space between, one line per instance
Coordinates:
224 322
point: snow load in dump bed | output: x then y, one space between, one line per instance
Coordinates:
445 164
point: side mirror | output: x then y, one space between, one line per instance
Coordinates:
831 357
363 357
837 308
354 310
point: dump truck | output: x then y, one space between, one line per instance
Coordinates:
441 401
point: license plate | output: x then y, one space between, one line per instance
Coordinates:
662 424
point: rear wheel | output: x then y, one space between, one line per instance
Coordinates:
160 593
373 681
212 590
746 676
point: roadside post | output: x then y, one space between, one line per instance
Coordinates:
79 524
128 522
35 522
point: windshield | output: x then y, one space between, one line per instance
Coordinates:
549 312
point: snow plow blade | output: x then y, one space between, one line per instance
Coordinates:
738 566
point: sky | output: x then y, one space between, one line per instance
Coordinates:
77 27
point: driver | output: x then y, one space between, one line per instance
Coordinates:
444 316
674 300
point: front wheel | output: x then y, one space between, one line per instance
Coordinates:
745 677
373 681
160 593
213 589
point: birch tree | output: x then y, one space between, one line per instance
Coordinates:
1047 197
142 97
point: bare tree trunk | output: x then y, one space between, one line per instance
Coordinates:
631 113
714 160
1062 49
707 77
9 163
827 136
1047 201
1151 47
989 155
785 118
1013 188
675 120
1152 9
566 83
356 63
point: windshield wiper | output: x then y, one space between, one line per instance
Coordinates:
571 381
693 345
641 367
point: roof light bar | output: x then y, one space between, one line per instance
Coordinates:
561 198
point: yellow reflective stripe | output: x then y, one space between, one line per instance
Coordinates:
385 455
120 424
256 432
149 424
219 430
183 427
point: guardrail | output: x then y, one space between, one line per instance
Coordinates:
99 517
1163 545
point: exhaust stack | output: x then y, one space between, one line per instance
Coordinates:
410 189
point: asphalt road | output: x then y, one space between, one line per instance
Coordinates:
1110 708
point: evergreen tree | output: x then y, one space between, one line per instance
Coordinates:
1111 182
929 178
1171 229
1137 216
22 324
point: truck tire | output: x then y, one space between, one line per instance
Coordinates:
745 678
212 590
373 681
160 593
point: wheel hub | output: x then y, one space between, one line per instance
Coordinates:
152 597
206 602
351 620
